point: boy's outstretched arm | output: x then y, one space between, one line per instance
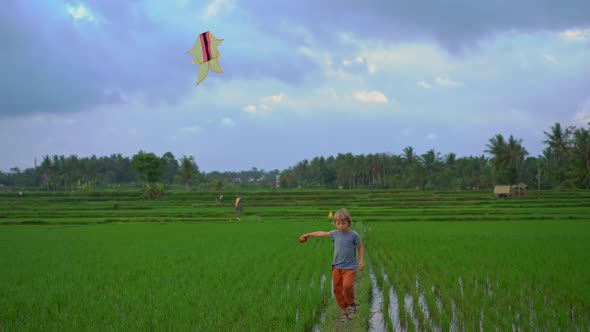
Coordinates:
361 250
317 234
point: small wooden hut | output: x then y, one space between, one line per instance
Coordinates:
503 191
507 191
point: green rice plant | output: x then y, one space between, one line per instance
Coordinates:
161 276
499 275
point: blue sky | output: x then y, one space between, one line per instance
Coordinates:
301 78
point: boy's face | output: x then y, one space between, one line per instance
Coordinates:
342 225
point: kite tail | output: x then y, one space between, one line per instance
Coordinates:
203 71
215 66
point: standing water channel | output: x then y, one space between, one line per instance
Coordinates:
376 319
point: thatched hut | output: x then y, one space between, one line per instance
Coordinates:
507 191
519 189
503 191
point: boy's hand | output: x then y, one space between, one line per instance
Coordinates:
361 265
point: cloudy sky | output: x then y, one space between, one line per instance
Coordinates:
301 78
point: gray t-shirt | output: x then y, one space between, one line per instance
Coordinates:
345 249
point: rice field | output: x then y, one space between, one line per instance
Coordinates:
457 261
500 276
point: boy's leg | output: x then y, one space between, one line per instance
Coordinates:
338 286
348 286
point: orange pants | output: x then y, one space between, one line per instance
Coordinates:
343 285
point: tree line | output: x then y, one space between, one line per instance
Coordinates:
564 164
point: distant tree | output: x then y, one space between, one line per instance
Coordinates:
344 166
412 170
581 157
531 172
474 172
449 175
558 154
149 167
188 169
216 184
507 158
287 179
318 170
432 164
171 167
302 173
516 154
47 171
497 149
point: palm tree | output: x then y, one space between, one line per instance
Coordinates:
507 158
581 153
558 153
497 149
410 167
515 155
431 161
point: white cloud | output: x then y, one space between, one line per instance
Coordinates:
424 84
228 122
370 97
250 108
446 82
576 34
216 6
52 119
333 93
264 103
549 58
432 137
191 130
582 116
358 59
277 99
297 31
347 38
82 13
408 57
306 51
342 75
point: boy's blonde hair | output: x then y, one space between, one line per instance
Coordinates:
343 215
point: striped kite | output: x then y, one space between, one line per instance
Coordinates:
206 54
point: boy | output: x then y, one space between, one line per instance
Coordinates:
345 264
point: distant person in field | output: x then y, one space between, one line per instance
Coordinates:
221 198
344 266
238 206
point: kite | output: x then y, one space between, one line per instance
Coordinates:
206 55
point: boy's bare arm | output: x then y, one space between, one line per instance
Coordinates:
317 234
361 250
